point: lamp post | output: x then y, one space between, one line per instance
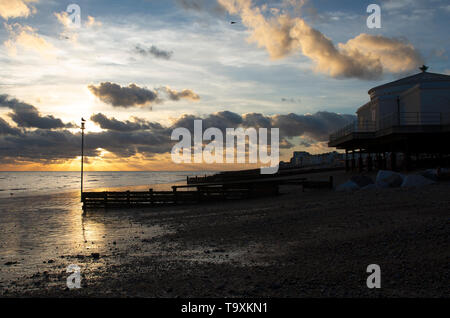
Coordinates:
82 155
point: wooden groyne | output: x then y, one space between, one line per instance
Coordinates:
255 174
196 193
145 199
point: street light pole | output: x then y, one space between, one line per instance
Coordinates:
82 155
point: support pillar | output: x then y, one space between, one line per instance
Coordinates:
393 161
369 162
407 164
440 160
378 159
347 165
353 160
360 161
384 162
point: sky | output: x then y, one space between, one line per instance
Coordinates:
136 70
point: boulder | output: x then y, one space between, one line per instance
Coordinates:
431 174
388 179
369 187
443 174
415 180
362 181
348 186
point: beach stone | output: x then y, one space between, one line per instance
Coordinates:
10 263
369 187
348 186
362 181
414 180
388 179
95 255
430 174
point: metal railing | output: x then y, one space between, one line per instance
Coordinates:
394 120
411 119
356 126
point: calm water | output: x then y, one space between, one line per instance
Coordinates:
38 183
42 220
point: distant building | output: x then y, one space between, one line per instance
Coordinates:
305 159
408 116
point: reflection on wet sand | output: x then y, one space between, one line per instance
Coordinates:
45 234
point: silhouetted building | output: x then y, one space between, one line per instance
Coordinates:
408 116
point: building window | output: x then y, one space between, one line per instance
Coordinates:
374 115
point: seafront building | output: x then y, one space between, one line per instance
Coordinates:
405 123
305 159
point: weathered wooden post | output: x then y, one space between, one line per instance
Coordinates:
82 156
151 196
105 197
174 189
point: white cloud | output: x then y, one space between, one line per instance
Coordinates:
16 8
365 56
27 38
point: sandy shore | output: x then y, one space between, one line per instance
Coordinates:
316 243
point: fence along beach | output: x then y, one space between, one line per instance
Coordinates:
233 185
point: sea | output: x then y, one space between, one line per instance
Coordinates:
20 184
43 229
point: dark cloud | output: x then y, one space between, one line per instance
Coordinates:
317 126
119 96
291 100
117 125
133 95
27 116
184 94
154 51
49 145
221 120
257 120
6 129
41 145
139 136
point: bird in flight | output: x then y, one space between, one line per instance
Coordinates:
233 22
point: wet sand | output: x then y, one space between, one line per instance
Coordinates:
316 243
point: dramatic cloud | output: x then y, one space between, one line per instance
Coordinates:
116 125
27 38
16 8
139 136
133 95
317 126
184 94
27 116
366 56
129 96
6 129
154 51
